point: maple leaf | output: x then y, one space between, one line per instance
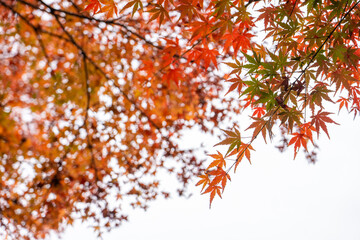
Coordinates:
204 181
218 161
267 15
301 138
194 55
174 75
307 129
220 177
237 83
201 28
320 92
237 67
258 112
137 4
243 150
260 125
319 120
291 117
298 139
187 10
94 6
208 56
109 8
233 139
239 39
158 12
343 102
343 79
213 190
220 7
171 51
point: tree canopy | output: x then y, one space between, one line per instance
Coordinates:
95 94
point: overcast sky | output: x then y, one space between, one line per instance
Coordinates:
274 198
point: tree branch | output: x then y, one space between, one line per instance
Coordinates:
327 39
88 99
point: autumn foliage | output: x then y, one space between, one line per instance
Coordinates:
95 94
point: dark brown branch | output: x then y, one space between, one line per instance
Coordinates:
87 108
113 22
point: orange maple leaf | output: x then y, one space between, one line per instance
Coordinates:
109 8
301 138
93 6
218 162
213 190
205 180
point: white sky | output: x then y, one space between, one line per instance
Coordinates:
274 198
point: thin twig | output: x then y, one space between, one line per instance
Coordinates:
327 39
